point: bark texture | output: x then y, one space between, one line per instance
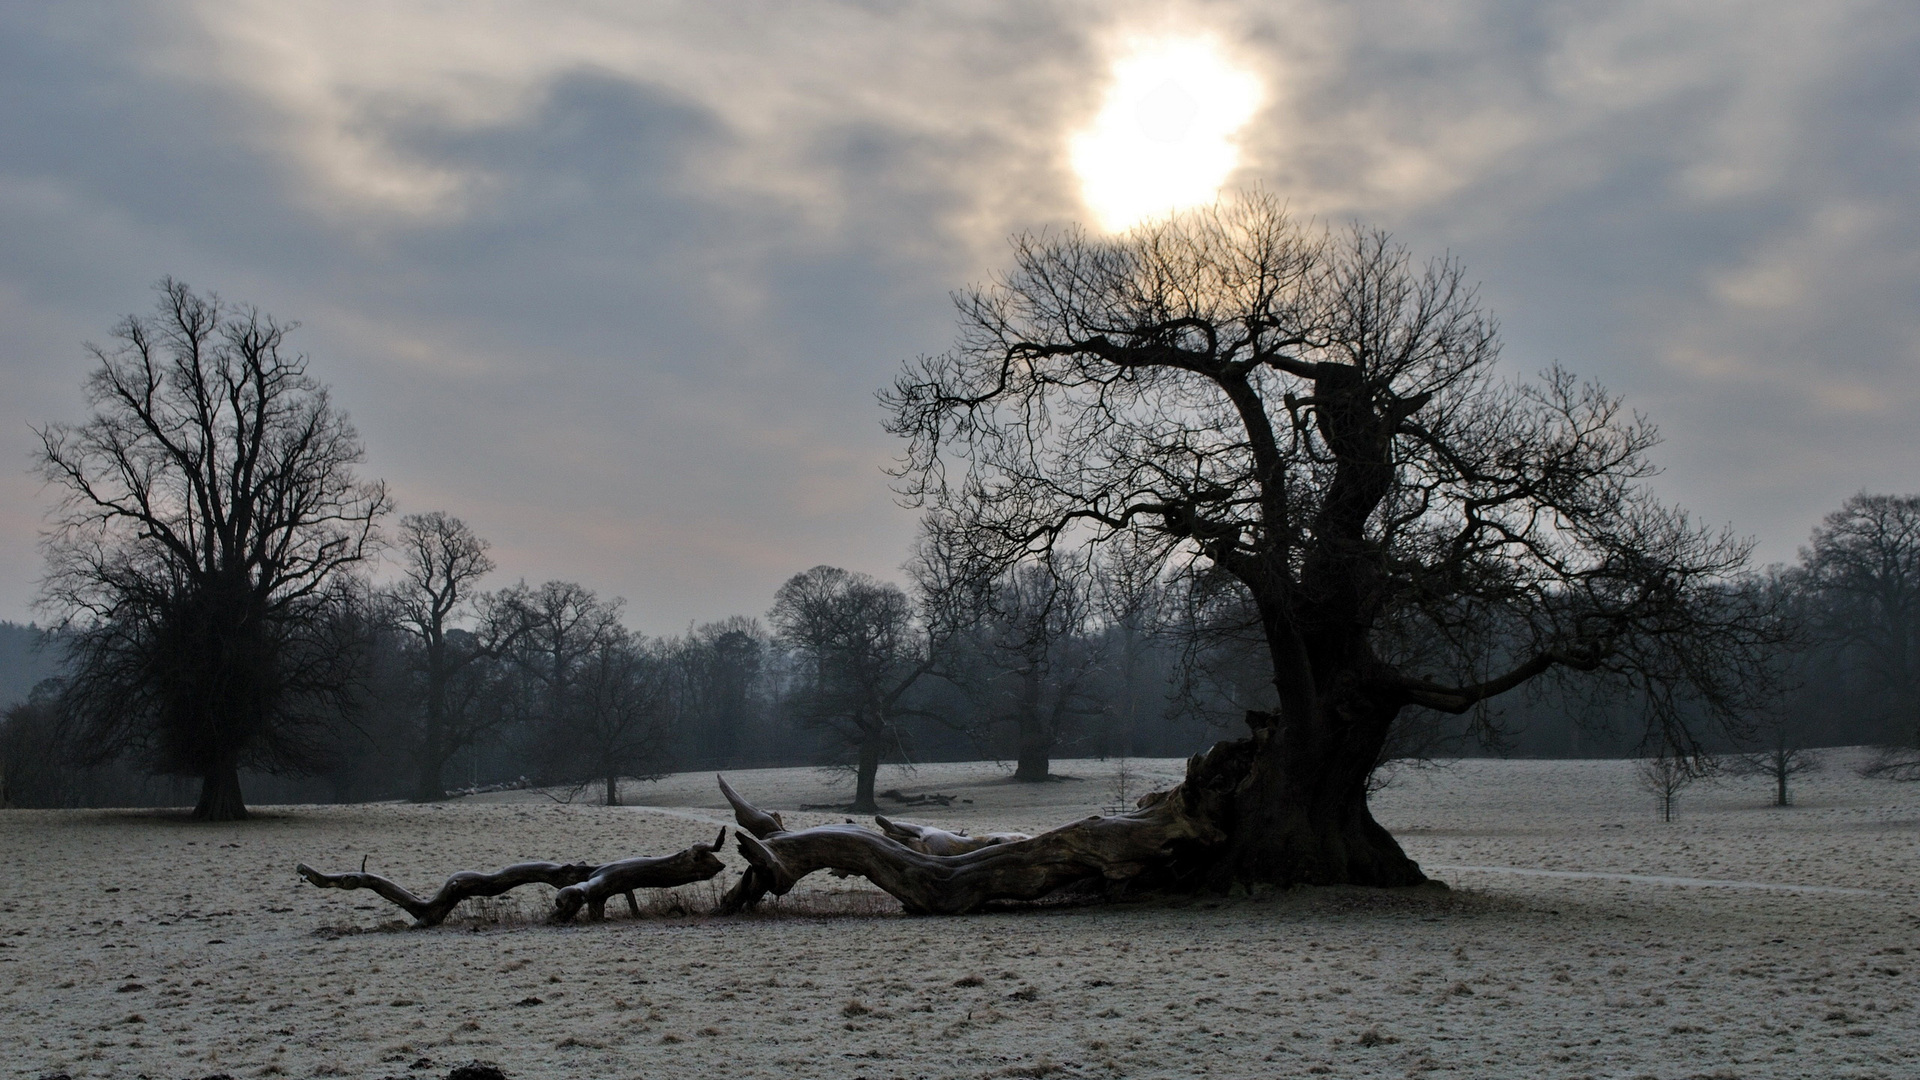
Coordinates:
931 841
1172 838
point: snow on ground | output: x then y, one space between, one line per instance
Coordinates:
212 957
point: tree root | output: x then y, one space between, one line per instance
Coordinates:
580 884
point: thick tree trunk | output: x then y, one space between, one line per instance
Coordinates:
613 790
1032 761
1168 841
866 772
1300 815
220 797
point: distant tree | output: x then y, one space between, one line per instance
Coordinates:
858 653
202 549
558 628
33 763
617 720
718 669
1664 776
1319 421
1130 600
1863 569
1029 658
441 563
1782 759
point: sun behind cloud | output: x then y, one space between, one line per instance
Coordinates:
1166 135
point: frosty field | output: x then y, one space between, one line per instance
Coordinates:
1582 937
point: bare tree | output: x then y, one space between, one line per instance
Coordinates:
1863 565
1030 661
719 669
618 721
1782 760
859 653
209 519
1317 419
441 563
1664 776
1130 599
560 626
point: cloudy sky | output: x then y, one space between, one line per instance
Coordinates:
616 282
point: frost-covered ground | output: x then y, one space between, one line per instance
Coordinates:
212 957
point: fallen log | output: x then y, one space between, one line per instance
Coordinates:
931 841
580 884
1166 839
697 863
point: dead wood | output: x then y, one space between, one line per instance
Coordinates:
931 841
697 863
922 799
580 884
1168 836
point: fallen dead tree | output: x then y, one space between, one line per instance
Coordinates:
586 885
1172 838
931 841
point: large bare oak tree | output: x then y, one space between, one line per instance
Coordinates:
1317 418
209 518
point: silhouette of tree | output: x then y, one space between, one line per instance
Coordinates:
201 551
858 653
441 561
1318 421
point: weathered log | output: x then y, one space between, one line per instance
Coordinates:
1167 838
461 886
580 884
697 863
931 841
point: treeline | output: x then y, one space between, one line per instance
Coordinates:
456 689
452 689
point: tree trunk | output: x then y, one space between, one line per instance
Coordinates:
868 770
1032 763
1300 816
613 790
430 784
1156 843
220 797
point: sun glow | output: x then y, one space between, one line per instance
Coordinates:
1165 137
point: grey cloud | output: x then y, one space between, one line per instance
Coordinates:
617 286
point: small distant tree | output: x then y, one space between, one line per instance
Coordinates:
202 551
617 720
559 627
1035 665
718 671
1780 764
1664 776
442 561
1863 571
858 653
